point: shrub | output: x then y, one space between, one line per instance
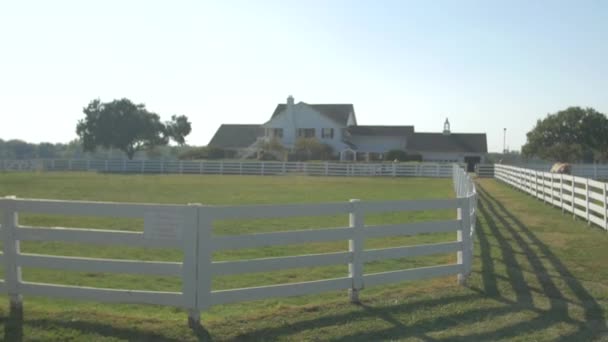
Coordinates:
402 156
312 149
398 155
207 152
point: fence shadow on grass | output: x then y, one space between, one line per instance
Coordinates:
14 326
504 243
515 245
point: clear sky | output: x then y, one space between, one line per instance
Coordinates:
487 65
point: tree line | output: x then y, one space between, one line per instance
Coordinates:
19 149
121 128
572 135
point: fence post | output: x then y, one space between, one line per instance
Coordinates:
124 165
355 246
221 167
605 204
181 166
284 167
143 166
595 170
572 194
262 169
200 167
204 270
241 168
464 236
561 191
536 183
587 200
190 268
326 169
543 187
12 272
394 170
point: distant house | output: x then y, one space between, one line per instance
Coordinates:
336 125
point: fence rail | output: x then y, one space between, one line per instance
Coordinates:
189 229
583 197
221 167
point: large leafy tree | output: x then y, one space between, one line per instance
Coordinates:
129 127
570 135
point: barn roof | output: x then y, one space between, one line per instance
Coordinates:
453 142
381 130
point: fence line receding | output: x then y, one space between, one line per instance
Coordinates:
227 167
583 197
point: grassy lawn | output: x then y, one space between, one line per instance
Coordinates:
537 275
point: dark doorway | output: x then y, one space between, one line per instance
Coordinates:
471 162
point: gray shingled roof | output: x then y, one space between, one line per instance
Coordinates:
454 142
381 130
236 136
336 112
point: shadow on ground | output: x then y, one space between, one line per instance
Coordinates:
514 269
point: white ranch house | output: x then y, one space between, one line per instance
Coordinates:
336 125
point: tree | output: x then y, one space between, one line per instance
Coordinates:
47 150
128 127
19 149
569 135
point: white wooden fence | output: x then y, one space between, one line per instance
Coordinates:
225 167
594 171
583 197
484 170
189 228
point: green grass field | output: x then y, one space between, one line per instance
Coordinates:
537 275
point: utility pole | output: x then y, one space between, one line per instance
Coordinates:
504 141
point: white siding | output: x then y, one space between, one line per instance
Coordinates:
306 117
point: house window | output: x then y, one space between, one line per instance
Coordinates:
277 132
306 132
327 133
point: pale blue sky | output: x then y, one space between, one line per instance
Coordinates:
484 64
